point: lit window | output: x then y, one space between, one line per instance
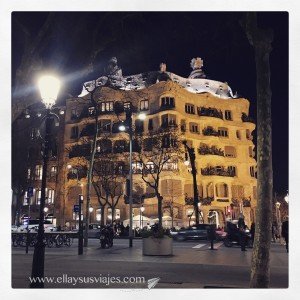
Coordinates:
137 168
53 171
144 105
38 172
50 196
92 110
26 198
107 106
28 173
190 109
38 197
127 105
228 115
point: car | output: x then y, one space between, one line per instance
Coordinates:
33 225
197 232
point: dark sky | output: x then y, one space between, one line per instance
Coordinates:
141 41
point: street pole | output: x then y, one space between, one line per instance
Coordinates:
39 249
129 120
80 229
192 156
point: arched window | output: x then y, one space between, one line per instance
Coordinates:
222 189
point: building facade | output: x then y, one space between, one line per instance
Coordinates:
204 112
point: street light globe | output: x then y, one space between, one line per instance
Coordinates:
186 162
142 116
91 209
286 198
69 166
277 204
142 209
46 209
122 127
49 87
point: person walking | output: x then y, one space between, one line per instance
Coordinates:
242 236
285 233
252 232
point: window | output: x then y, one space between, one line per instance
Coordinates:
210 190
228 115
26 198
232 170
107 106
74 114
98 214
116 214
105 125
230 151
53 171
150 124
50 196
38 197
251 152
170 166
137 168
127 105
223 132
168 120
238 134
139 126
28 173
252 172
194 127
74 132
222 190
144 105
248 134
38 172
167 102
92 111
190 108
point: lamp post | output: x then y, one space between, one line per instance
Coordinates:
127 125
90 211
49 88
80 202
142 209
278 216
192 157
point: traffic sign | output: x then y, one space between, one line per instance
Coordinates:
76 208
30 191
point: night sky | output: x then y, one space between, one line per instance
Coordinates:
141 41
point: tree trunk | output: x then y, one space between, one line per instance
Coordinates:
159 208
261 41
102 207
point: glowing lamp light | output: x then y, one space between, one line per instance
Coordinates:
142 116
69 167
186 162
122 127
46 209
277 204
91 209
142 209
49 87
286 198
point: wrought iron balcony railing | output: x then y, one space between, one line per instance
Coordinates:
210 112
213 150
219 171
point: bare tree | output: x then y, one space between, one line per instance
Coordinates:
261 40
158 149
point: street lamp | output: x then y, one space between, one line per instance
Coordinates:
286 198
91 210
142 209
192 158
278 217
49 87
127 125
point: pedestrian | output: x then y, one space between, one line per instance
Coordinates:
242 235
285 233
252 232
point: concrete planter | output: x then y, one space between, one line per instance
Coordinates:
158 246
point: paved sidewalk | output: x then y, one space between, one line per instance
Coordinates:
192 265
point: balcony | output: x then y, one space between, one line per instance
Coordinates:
213 150
170 124
210 131
218 171
245 201
82 173
80 151
210 112
246 118
203 201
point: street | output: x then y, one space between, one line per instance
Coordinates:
193 265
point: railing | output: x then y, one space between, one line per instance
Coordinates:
80 151
210 112
209 171
213 150
203 201
246 118
210 131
